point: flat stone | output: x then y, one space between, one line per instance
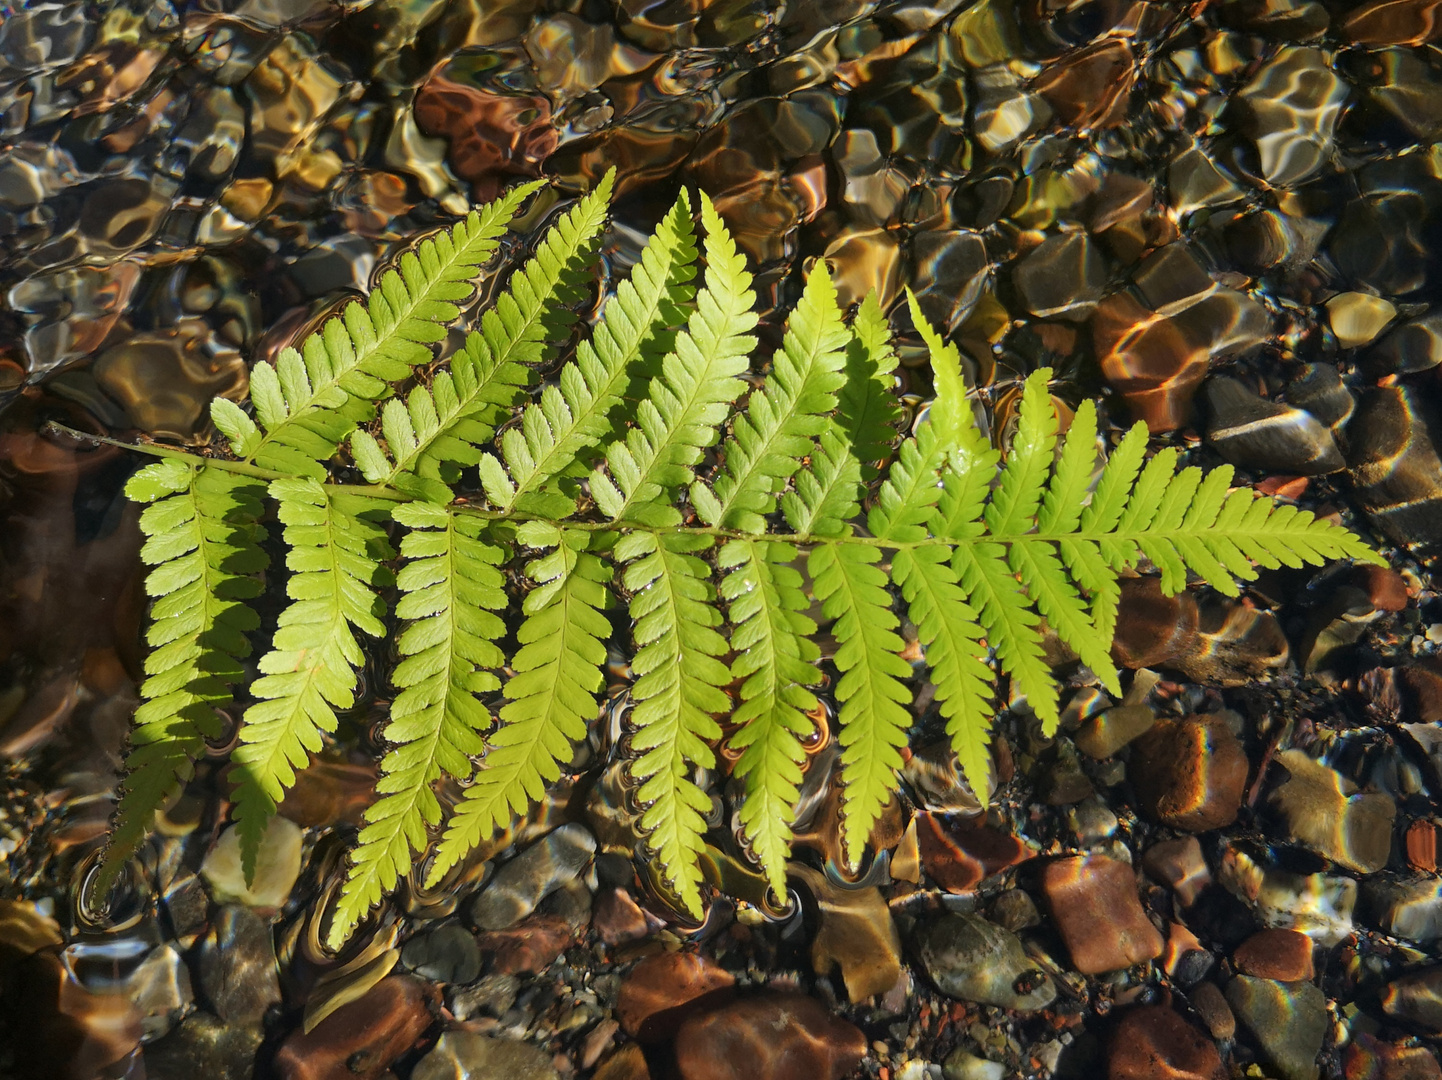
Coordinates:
1190 773
363 1037
959 855
1094 904
1254 433
1283 955
1367 1058
662 990
1357 318
617 918
971 959
1394 464
1405 907
960 1065
1102 735
204 1047
529 946
768 1036
1152 1041
1417 998
1319 905
521 884
277 865
1288 1021
856 936
1354 831
237 969
1180 865
1152 628
1212 1007
463 1055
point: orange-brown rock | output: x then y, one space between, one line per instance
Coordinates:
1094 904
960 854
661 991
1385 588
1189 773
1421 841
1152 628
1283 955
768 1036
1154 1043
1090 86
361 1039
529 946
1367 1058
1394 22
617 918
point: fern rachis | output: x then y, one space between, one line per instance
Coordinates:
599 512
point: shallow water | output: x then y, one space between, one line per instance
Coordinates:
1220 218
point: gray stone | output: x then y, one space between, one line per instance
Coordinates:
1255 433
204 1048
491 996
447 953
1409 908
1063 277
972 959
1287 1020
461 1055
521 884
237 968
1417 997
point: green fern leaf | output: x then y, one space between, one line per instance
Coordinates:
558 671
774 664
204 545
635 331
310 670
450 585
874 712
677 694
828 493
689 402
316 395
769 441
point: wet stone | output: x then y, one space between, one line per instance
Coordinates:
1417 998
1180 865
952 270
1357 318
1366 1058
971 959
1408 908
960 1065
1354 830
1393 22
1319 905
856 936
1062 278
1290 108
1189 774
1288 1021
1094 904
204 1046
363 1037
491 995
617 917
1153 1041
959 855
661 991
1283 955
521 884
1102 735
1014 910
65 1029
160 988
529 946
1414 346
462 1055
768 1036
277 865
237 969
1255 433
1212 1007
1319 389
447 953
1153 628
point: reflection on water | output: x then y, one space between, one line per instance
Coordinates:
1220 218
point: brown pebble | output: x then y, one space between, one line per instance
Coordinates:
627 1063
768 1036
1190 773
959 855
661 991
1385 588
1421 843
1367 1058
1283 955
1094 904
1393 22
618 918
1152 628
1211 1005
363 1037
1180 865
529 946
1153 1042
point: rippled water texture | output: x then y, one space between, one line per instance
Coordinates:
1221 218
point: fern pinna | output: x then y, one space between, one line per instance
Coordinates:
636 478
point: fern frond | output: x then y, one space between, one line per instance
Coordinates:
828 492
774 664
1012 510
204 545
771 438
699 380
635 331
679 675
874 713
316 395
558 671
450 585
310 670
